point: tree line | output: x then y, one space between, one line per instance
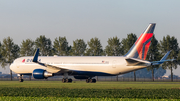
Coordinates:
9 51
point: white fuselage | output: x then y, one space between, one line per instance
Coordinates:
112 65
88 65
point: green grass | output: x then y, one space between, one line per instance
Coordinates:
79 90
97 85
92 93
77 99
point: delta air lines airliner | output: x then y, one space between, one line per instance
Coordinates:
87 67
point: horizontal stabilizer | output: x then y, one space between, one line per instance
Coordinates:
137 62
163 59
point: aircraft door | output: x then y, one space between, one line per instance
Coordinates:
114 64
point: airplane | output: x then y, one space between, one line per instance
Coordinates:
87 67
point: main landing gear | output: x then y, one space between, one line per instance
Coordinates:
65 79
90 80
20 78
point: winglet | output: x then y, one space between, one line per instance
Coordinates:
166 55
35 59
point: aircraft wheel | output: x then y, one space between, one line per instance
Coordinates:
21 80
70 80
90 80
87 80
67 80
93 80
63 80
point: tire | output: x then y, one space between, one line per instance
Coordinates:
21 80
90 80
93 80
63 80
87 80
67 80
70 80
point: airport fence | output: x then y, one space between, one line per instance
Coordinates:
98 78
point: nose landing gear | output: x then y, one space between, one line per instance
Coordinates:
65 79
20 78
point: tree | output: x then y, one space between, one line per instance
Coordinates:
9 52
127 44
44 45
61 47
27 48
153 54
159 72
95 47
79 47
144 73
114 47
0 53
170 43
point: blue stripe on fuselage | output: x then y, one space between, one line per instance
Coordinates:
90 73
86 73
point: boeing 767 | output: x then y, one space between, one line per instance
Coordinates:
87 67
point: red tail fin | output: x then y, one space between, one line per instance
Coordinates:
141 46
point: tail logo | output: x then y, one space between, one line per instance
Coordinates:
141 46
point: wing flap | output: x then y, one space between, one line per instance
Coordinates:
52 69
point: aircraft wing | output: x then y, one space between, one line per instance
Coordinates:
49 68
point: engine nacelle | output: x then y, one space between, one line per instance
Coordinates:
41 74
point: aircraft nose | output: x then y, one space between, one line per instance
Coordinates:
12 66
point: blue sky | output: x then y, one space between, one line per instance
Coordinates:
86 19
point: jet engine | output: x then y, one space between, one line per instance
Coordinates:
41 74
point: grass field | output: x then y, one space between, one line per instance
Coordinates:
97 85
79 90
